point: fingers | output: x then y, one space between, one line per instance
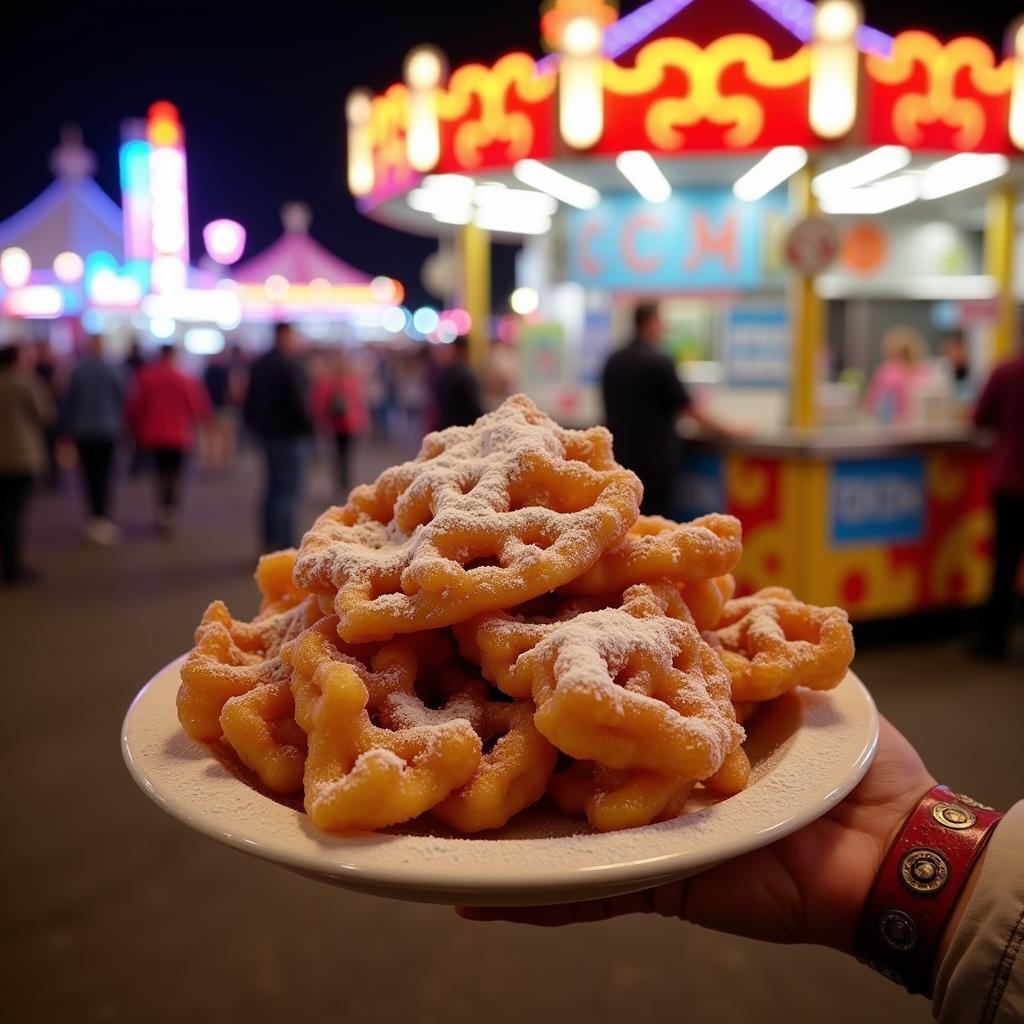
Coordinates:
667 900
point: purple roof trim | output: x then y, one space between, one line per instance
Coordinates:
796 16
69 198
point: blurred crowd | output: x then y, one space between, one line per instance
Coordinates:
155 412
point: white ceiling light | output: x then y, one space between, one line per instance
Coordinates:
524 301
561 186
769 172
963 171
643 173
869 167
878 197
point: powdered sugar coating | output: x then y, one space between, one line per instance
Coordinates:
627 687
485 517
771 642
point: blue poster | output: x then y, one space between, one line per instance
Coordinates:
877 501
699 487
756 346
700 239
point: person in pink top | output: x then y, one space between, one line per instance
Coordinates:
339 408
900 372
164 409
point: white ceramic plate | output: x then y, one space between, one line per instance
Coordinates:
808 750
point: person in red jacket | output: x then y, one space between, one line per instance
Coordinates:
339 408
164 409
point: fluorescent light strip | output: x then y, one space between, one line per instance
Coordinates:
879 197
925 286
869 167
641 171
963 171
554 183
775 167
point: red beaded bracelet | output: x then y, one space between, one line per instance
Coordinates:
918 885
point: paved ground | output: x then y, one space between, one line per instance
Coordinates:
114 912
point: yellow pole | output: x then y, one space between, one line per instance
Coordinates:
807 316
475 288
999 238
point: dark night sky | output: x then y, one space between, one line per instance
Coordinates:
261 90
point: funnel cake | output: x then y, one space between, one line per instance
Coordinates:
231 658
770 642
627 687
656 548
485 517
435 755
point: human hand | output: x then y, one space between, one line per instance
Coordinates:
808 887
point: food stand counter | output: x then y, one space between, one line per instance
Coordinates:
880 522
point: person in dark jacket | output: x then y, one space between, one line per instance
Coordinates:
92 413
277 413
457 390
643 399
1001 410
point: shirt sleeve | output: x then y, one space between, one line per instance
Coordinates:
981 978
673 390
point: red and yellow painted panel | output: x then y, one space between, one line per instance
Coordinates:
676 96
878 537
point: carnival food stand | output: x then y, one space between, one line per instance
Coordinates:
789 188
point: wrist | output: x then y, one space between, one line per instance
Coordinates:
922 887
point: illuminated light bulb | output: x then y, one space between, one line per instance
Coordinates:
425 320
581 37
163 127
224 240
36 301
393 319
424 68
162 327
836 21
204 341
276 287
68 267
644 174
580 82
835 68
320 290
446 332
358 113
15 267
461 318
869 167
524 301
1015 39
383 289
963 171
775 167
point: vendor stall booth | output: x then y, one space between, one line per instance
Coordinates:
792 185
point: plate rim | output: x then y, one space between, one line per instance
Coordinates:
432 880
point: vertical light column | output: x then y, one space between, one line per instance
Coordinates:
474 250
168 198
358 112
135 191
807 315
580 81
999 239
424 69
835 68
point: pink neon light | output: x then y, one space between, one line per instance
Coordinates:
41 301
224 240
